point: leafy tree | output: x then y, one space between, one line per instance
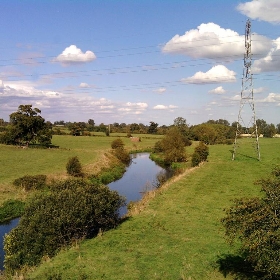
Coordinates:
181 124
278 128
152 129
173 146
27 126
270 130
119 151
71 210
256 223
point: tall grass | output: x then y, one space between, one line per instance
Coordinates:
178 235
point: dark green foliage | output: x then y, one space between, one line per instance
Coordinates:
122 155
74 167
256 223
27 126
117 143
111 175
152 129
31 182
158 147
200 154
11 209
173 146
71 210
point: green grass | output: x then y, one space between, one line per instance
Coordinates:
179 234
17 162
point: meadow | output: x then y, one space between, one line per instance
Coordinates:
16 162
178 233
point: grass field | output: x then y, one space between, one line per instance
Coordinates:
178 235
17 162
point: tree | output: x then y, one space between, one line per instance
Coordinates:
256 223
152 128
173 146
27 126
181 124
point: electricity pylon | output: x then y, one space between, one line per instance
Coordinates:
246 123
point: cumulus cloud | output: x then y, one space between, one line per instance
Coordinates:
211 41
74 55
271 98
271 62
216 74
129 107
218 90
84 85
163 107
266 10
160 90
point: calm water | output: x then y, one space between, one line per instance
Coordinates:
5 228
140 176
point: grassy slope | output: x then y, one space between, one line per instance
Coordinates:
178 235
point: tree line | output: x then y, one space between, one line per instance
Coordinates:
27 126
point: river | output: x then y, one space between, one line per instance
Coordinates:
139 177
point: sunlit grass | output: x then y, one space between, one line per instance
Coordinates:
178 234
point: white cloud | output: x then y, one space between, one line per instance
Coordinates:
84 85
218 90
74 55
266 10
271 98
216 74
271 62
160 90
133 107
163 107
209 40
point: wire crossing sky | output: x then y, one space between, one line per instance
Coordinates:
137 61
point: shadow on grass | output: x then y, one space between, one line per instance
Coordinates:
238 267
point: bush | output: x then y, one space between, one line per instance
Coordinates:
122 155
71 210
117 143
200 154
31 182
11 209
74 167
255 222
158 147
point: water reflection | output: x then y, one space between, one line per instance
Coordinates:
140 176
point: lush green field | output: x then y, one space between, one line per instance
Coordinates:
178 235
17 162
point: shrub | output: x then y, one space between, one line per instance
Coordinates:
71 210
117 143
31 182
158 147
74 167
255 222
200 154
122 155
11 209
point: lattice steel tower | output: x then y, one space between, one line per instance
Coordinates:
246 123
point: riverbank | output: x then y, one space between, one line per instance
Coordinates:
177 234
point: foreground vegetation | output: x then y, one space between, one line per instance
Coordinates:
177 234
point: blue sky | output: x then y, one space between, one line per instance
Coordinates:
137 61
